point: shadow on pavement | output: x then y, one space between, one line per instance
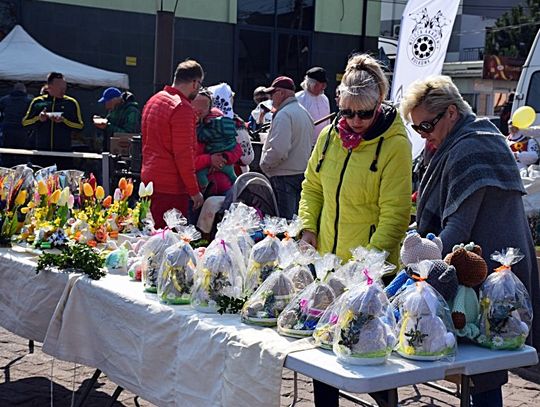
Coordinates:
36 392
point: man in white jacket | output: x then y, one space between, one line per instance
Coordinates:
287 148
312 97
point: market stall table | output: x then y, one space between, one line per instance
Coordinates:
167 355
176 356
27 299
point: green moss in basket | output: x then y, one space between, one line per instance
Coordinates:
76 258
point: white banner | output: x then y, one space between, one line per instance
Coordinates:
426 27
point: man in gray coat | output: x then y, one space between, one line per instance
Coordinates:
287 148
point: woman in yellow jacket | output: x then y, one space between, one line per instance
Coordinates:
357 187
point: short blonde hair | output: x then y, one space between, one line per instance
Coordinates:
435 94
364 83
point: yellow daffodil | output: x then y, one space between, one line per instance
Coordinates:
31 204
55 197
100 193
42 188
21 197
25 210
87 189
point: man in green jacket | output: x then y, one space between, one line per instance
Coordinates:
124 115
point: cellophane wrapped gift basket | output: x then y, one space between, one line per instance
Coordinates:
178 268
153 250
298 270
426 331
264 256
365 329
303 313
352 273
505 307
220 277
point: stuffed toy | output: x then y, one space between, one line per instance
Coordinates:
471 271
416 249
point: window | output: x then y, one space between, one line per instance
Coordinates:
533 93
291 14
254 61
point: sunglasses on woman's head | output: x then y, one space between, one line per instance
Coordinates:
362 114
428 126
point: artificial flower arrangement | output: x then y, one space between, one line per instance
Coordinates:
15 188
47 212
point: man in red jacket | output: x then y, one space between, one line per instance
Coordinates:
168 143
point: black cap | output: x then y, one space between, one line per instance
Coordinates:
317 73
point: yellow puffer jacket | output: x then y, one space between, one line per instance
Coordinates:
347 204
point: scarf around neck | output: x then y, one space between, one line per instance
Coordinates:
473 156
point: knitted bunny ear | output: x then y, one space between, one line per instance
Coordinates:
477 249
435 239
411 240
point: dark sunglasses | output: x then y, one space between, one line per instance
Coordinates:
362 114
426 126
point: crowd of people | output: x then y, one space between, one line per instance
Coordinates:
347 176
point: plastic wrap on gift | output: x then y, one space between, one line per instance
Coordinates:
325 330
220 275
295 260
365 329
505 306
177 270
269 300
426 331
264 256
117 259
303 313
153 250
242 221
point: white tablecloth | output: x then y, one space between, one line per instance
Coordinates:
171 356
27 299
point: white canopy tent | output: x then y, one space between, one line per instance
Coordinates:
23 59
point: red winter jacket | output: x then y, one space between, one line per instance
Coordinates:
168 143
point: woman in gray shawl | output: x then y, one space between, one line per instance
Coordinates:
471 191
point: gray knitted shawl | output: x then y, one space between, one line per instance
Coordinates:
473 156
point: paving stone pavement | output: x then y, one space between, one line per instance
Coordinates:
25 381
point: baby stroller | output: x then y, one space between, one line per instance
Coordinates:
251 188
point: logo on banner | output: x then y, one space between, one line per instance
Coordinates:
424 43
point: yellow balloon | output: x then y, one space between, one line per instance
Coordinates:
523 117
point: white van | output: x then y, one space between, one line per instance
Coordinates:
528 87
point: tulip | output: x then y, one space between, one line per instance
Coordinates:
129 190
100 193
42 188
21 197
25 210
64 196
107 201
92 181
122 184
55 197
117 195
150 189
71 201
142 190
87 189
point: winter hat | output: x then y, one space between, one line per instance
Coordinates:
222 96
415 248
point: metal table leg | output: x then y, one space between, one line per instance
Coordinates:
115 395
295 389
89 387
30 346
465 399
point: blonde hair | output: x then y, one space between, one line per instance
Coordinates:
364 83
435 94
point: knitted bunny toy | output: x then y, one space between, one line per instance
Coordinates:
414 250
471 271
